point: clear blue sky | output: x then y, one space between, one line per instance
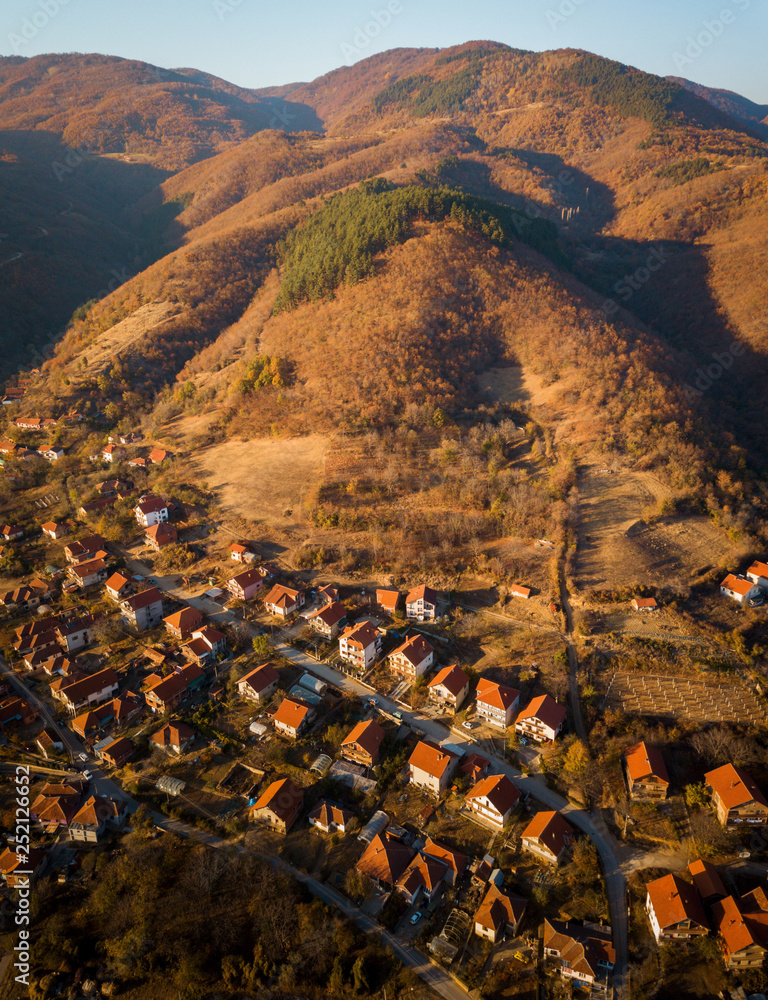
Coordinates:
255 43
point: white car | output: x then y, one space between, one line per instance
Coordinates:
82 756
468 725
87 775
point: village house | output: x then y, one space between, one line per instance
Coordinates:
363 744
328 594
55 529
675 909
330 817
707 881
150 510
56 804
182 623
118 586
455 861
736 798
90 690
118 712
541 719
51 452
160 535
259 684
243 586
413 658
385 859
421 604
388 600
585 952
88 574
475 766
548 836
422 880
646 772
645 604
11 532
242 553
90 547
49 743
94 818
499 913
431 767
516 590
16 710
279 806
328 620
449 688
174 737
758 574
14 867
144 610
205 646
116 753
157 456
493 799
741 590
360 645
75 633
741 926
164 693
138 463
293 716
283 601
496 703
111 453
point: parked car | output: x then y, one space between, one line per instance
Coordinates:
416 917
467 725
88 775
397 715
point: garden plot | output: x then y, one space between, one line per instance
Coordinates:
683 698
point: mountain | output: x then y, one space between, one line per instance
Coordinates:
390 264
738 107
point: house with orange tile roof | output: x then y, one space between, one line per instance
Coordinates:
360 645
118 712
707 881
328 594
385 859
741 926
431 766
493 799
412 658
475 766
241 552
245 585
174 737
548 836
363 743
499 913
205 645
143 610
454 861
516 590
675 909
164 693
496 703
89 573
758 574
116 753
645 604
646 772
422 880
56 804
19 869
94 819
258 684
293 716
160 535
328 620
585 952
118 586
541 720
330 817
449 688
388 599
111 453
282 601
421 604
279 806
157 456
736 798
151 510
182 623
741 590
84 548
90 690
55 529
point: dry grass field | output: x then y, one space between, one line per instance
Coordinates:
263 479
617 547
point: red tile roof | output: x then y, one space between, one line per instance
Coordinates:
452 678
674 900
283 798
260 677
367 735
499 909
643 761
498 789
551 829
291 712
415 649
496 695
453 859
734 786
431 758
385 858
422 592
546 709
706 879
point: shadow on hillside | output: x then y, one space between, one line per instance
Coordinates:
292 117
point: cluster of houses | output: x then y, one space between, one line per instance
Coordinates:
748 590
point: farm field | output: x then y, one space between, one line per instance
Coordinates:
683 698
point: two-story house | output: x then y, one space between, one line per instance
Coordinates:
363 743
541 720
585 952
421 603
675 909
330 817
283 601
431 766
493 799
412 658
449 688
736 798
548 836
496 703
646 772
244 585
293 716
360 645
758 574
206 644
182 623
258 684
174 737
328 620
118 586
89 690
144 610
150 510
499 913
279 806
388 599
741 925
89 573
